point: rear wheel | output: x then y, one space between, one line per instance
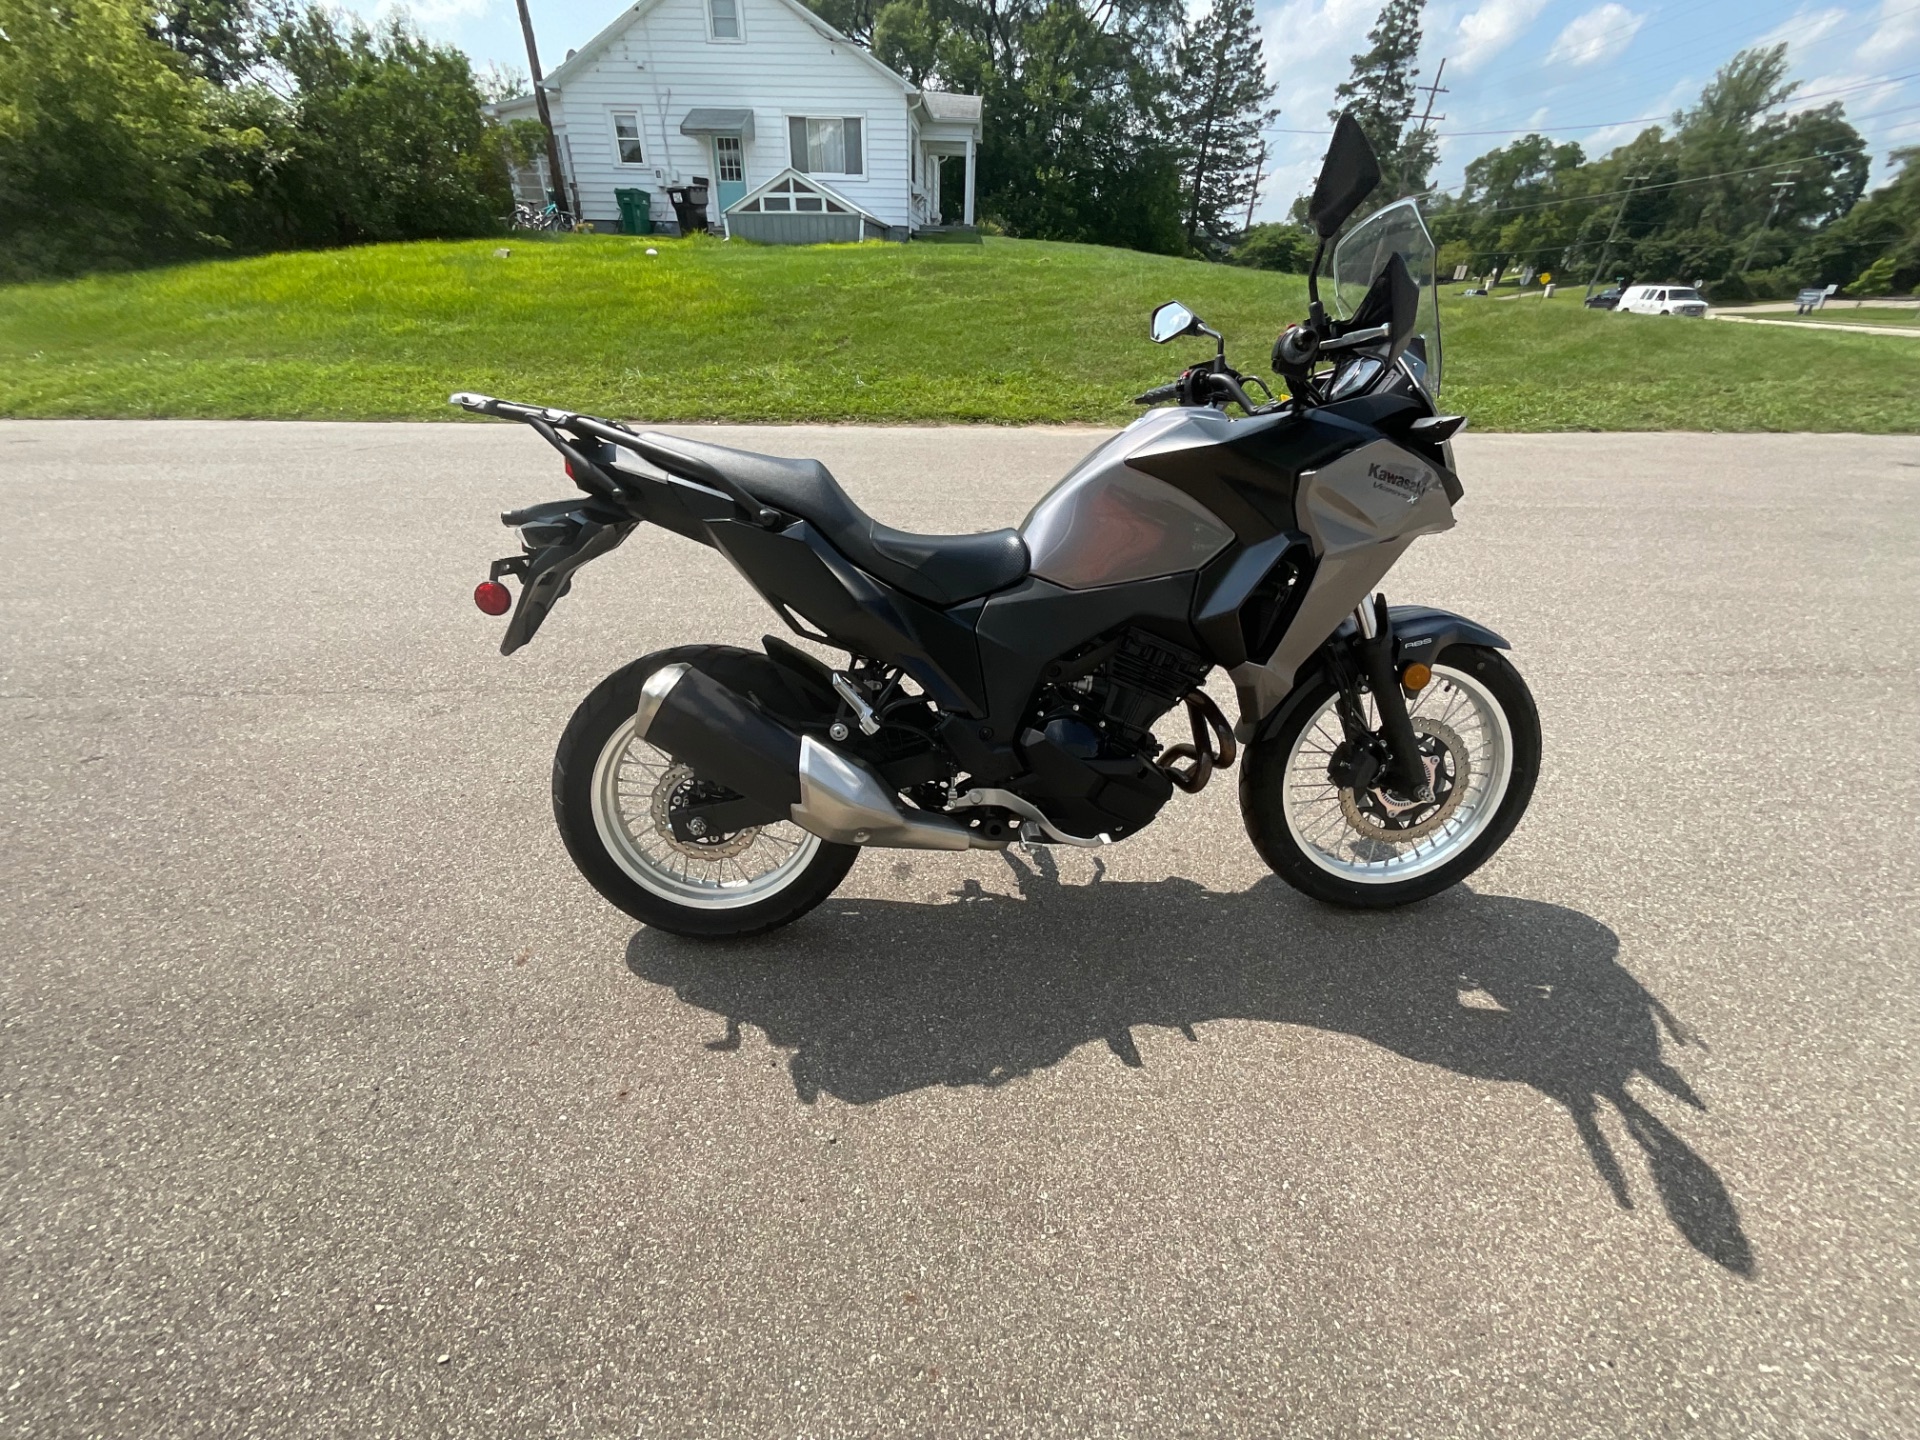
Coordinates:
614 798
1479 735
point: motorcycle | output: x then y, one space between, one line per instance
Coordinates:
1005 687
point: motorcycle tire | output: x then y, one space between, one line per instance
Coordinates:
1310 832
611 793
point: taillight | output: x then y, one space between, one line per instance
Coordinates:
492 597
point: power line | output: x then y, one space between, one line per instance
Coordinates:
1658 119
1668 184
1634 120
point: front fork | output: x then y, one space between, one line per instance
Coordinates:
1404 769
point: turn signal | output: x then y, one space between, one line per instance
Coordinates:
1416 676
492 597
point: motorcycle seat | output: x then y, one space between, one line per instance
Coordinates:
940 569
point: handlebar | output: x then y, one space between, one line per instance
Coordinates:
1202 385
1159 393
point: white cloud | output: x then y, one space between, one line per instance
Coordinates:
1856 92
1600 142
1487 31
1308 43
438 14
1805 29
431 17
1897 34
1600 34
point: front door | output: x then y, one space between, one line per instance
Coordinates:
729 170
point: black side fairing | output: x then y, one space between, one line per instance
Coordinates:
1249 479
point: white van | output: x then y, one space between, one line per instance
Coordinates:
1662 300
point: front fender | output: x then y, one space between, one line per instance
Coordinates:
1420 633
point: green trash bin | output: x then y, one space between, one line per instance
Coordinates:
636 212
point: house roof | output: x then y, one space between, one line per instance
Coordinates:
950 109
616 27
509 108
810 182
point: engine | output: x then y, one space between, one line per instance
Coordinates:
1089 742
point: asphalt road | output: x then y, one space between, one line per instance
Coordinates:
334 1104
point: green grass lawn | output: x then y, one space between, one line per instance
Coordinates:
1008 332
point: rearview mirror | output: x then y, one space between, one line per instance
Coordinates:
1347 176
1172 320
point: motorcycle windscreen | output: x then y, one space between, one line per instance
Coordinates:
1361 255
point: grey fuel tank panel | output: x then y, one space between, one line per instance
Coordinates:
1107 523
1361 511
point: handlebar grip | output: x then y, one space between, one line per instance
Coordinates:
1159 393
1297 346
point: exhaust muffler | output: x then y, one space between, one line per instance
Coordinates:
701 722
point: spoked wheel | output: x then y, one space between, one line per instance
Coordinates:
1479 738
615 798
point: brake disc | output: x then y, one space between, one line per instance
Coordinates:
673 793
1382 816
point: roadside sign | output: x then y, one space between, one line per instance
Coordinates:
1545 278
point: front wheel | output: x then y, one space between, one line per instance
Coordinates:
1479 732
614 798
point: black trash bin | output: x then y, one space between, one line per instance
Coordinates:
690 204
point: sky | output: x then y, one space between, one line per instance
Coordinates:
1573 69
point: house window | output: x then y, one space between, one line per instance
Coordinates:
723 19
786 198
826 145
727 158
626 137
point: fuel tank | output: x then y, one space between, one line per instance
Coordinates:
1109 522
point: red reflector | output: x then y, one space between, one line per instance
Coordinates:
493 597
570 474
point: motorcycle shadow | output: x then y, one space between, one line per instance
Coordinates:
876 998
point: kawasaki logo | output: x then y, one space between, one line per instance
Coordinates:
1411 485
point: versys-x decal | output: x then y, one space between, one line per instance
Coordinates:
1409 484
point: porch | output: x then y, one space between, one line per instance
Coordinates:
949 129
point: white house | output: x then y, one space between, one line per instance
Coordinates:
802 133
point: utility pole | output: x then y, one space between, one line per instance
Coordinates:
1259 170
1781 189
555 174
1434 92
1618 215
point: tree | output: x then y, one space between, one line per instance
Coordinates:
1875 248
853 18
1736 177
102 136
1078 143
1506 211
1380 95
219 39
385 139
1276 247
1220 106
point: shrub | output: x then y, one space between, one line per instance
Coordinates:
1275 247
